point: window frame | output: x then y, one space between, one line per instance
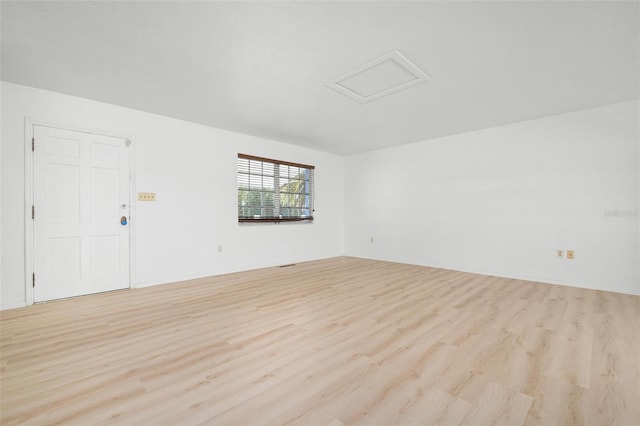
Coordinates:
310 181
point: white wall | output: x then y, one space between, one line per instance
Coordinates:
192 169
498 201
501 201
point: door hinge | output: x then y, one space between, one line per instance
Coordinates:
33 212
34 279
33 144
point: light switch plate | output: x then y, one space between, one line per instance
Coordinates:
146 196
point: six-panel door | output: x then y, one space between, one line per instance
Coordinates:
81 193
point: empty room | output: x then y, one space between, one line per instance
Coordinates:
320 213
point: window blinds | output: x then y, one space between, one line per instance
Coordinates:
273 190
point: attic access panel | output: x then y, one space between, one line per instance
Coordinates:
383 76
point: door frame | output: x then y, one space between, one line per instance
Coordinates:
28 199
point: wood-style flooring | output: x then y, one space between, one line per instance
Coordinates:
330 342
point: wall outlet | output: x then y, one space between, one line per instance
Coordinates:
560 253
219 248
146 196
569 254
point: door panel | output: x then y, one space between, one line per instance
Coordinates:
105 255
63 145
81 190
63 263
62 193
105 194
107 153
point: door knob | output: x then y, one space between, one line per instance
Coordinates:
123 220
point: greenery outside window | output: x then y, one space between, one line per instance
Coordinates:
273 190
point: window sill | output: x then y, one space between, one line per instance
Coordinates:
275 220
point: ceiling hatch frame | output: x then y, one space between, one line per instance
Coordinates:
395 57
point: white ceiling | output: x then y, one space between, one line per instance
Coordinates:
261 68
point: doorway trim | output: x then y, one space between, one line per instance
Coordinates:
28 199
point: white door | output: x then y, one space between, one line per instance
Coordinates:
81 193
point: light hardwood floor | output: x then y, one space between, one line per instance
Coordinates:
331 342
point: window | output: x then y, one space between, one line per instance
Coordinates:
274 190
